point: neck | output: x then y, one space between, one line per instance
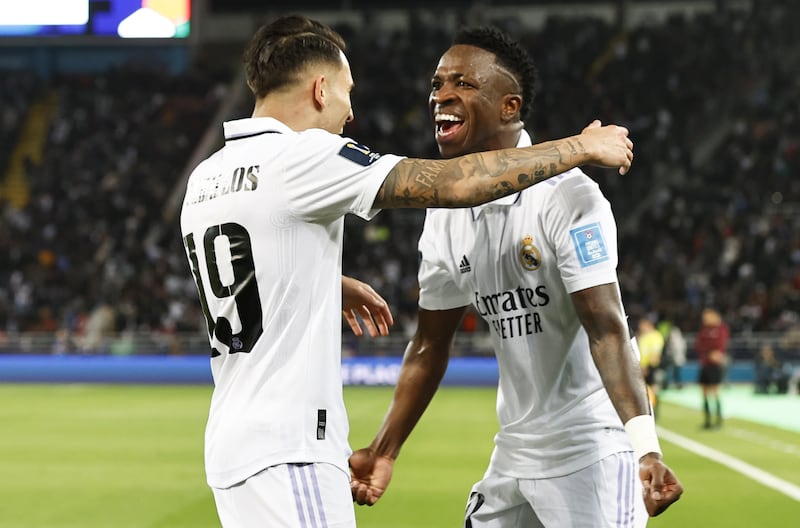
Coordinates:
510 136
506 137
289 108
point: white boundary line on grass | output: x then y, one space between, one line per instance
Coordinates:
764 440
752 472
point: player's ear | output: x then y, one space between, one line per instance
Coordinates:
512 104
320 92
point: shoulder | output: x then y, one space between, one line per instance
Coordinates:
318 134
572 180
565 184
572 190
344 148
315 143
210 164
317 139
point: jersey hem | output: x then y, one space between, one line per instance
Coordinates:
228 479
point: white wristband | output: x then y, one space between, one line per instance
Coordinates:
642 434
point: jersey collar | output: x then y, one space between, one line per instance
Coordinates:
511 199
253 126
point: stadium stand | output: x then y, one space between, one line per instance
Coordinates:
83 253
709 215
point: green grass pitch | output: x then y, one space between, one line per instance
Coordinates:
91 456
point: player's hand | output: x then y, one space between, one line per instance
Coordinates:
608 145
661 486
369 476
360 300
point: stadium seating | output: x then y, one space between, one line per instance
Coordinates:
707 216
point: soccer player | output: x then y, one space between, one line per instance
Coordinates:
540 267
262 223
711 344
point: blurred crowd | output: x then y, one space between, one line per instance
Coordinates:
708 216
88 255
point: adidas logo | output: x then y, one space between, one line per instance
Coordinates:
464 265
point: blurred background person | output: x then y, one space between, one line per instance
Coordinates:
711 344
770 372
651 348
674 356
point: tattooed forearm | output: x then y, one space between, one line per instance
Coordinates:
575 146
476 178
412 183
427 175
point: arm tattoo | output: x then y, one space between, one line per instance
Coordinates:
427 176
477 178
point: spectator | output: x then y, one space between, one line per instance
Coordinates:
674 356
721 233
771 374
100 328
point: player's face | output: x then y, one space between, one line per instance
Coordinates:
466 101
339 109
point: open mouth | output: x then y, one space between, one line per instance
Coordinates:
447 125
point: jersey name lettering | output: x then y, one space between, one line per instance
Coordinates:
241 179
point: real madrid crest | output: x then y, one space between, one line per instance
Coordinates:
529 255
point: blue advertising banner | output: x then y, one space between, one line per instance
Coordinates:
472 371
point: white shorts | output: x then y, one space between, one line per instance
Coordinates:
290 496
605 494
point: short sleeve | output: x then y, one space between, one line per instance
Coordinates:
583 232
329 176
437 290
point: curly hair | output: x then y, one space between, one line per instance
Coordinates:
280 50
510 54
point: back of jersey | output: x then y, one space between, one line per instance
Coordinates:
266 257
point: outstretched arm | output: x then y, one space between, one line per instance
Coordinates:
359 299
600 311
485 176
424 365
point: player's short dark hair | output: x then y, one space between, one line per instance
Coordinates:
280 50
510 54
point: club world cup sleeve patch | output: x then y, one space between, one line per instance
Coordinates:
590 245
358 153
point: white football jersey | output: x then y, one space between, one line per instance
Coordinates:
262 224
517 260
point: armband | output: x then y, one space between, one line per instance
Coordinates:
642 434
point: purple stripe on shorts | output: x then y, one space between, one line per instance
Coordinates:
297 500
625 490
621 470
317 496
630 486
307 494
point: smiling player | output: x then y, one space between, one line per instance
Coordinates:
262 224
540 267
